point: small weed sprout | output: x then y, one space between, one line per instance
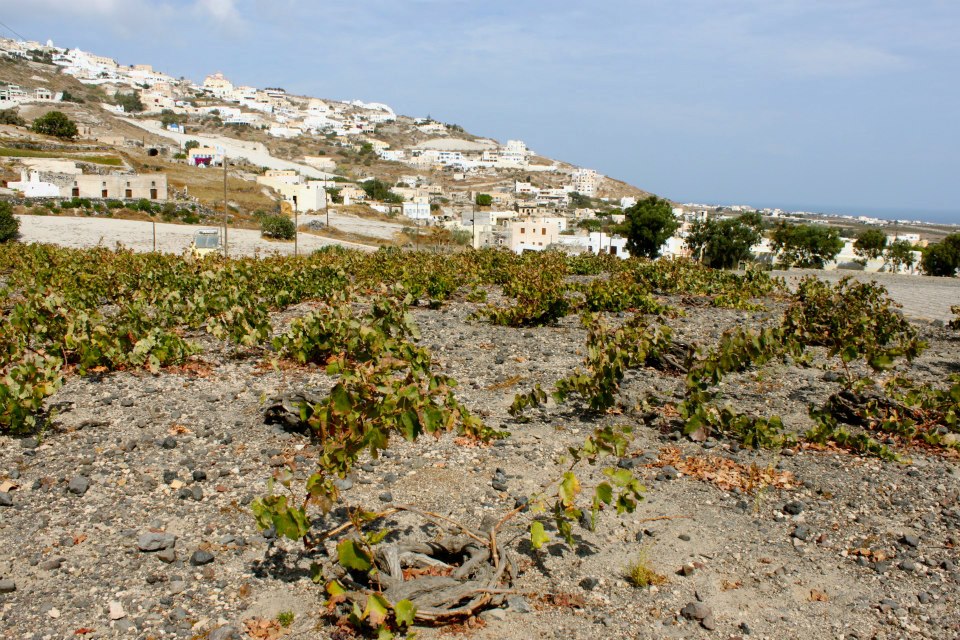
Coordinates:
761 490
285 618
639 572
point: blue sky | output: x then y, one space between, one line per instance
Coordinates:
840 105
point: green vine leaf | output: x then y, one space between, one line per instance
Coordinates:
538 536
352 556
569 489
405 612
377 609
604 492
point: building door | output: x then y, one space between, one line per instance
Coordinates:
128 193
75 192
153 194
103 194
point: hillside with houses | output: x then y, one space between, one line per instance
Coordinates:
144 134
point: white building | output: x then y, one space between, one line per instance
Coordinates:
534 234
393 155
243 118
205 156
912 238
525 188
285 132
145 74
87 66
33 187
596 243
486 218
586 182
305 195
417 210
218 85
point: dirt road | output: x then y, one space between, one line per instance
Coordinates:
170 238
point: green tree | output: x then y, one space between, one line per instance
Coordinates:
591 224
66 96
870 244
580 201
484 200
806 245
279 227
190 144
9 225
129 101
57 124
11 116
943 258
379 190
649 224
168 117
334 194
899 255
723 244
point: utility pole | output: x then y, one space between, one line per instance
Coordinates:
296 229
225 247
474 220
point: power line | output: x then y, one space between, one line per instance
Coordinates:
10 29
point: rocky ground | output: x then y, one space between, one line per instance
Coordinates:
130 518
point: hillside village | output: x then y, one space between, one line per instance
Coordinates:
166 137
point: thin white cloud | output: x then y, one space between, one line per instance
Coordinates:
131 18
98 7
840 59
223 12
122 18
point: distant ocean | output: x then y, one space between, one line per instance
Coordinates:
884 213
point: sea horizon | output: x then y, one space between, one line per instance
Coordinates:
932 216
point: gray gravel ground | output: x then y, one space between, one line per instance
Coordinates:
130 518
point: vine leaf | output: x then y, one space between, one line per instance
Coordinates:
353 556
569 488
377 609
605 492
538 536
336 591
405 611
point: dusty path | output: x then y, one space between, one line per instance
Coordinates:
171 238
922 297
254 152
361 226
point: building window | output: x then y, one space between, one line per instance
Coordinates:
522 230
543 231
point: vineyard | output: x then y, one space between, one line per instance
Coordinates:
585 387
